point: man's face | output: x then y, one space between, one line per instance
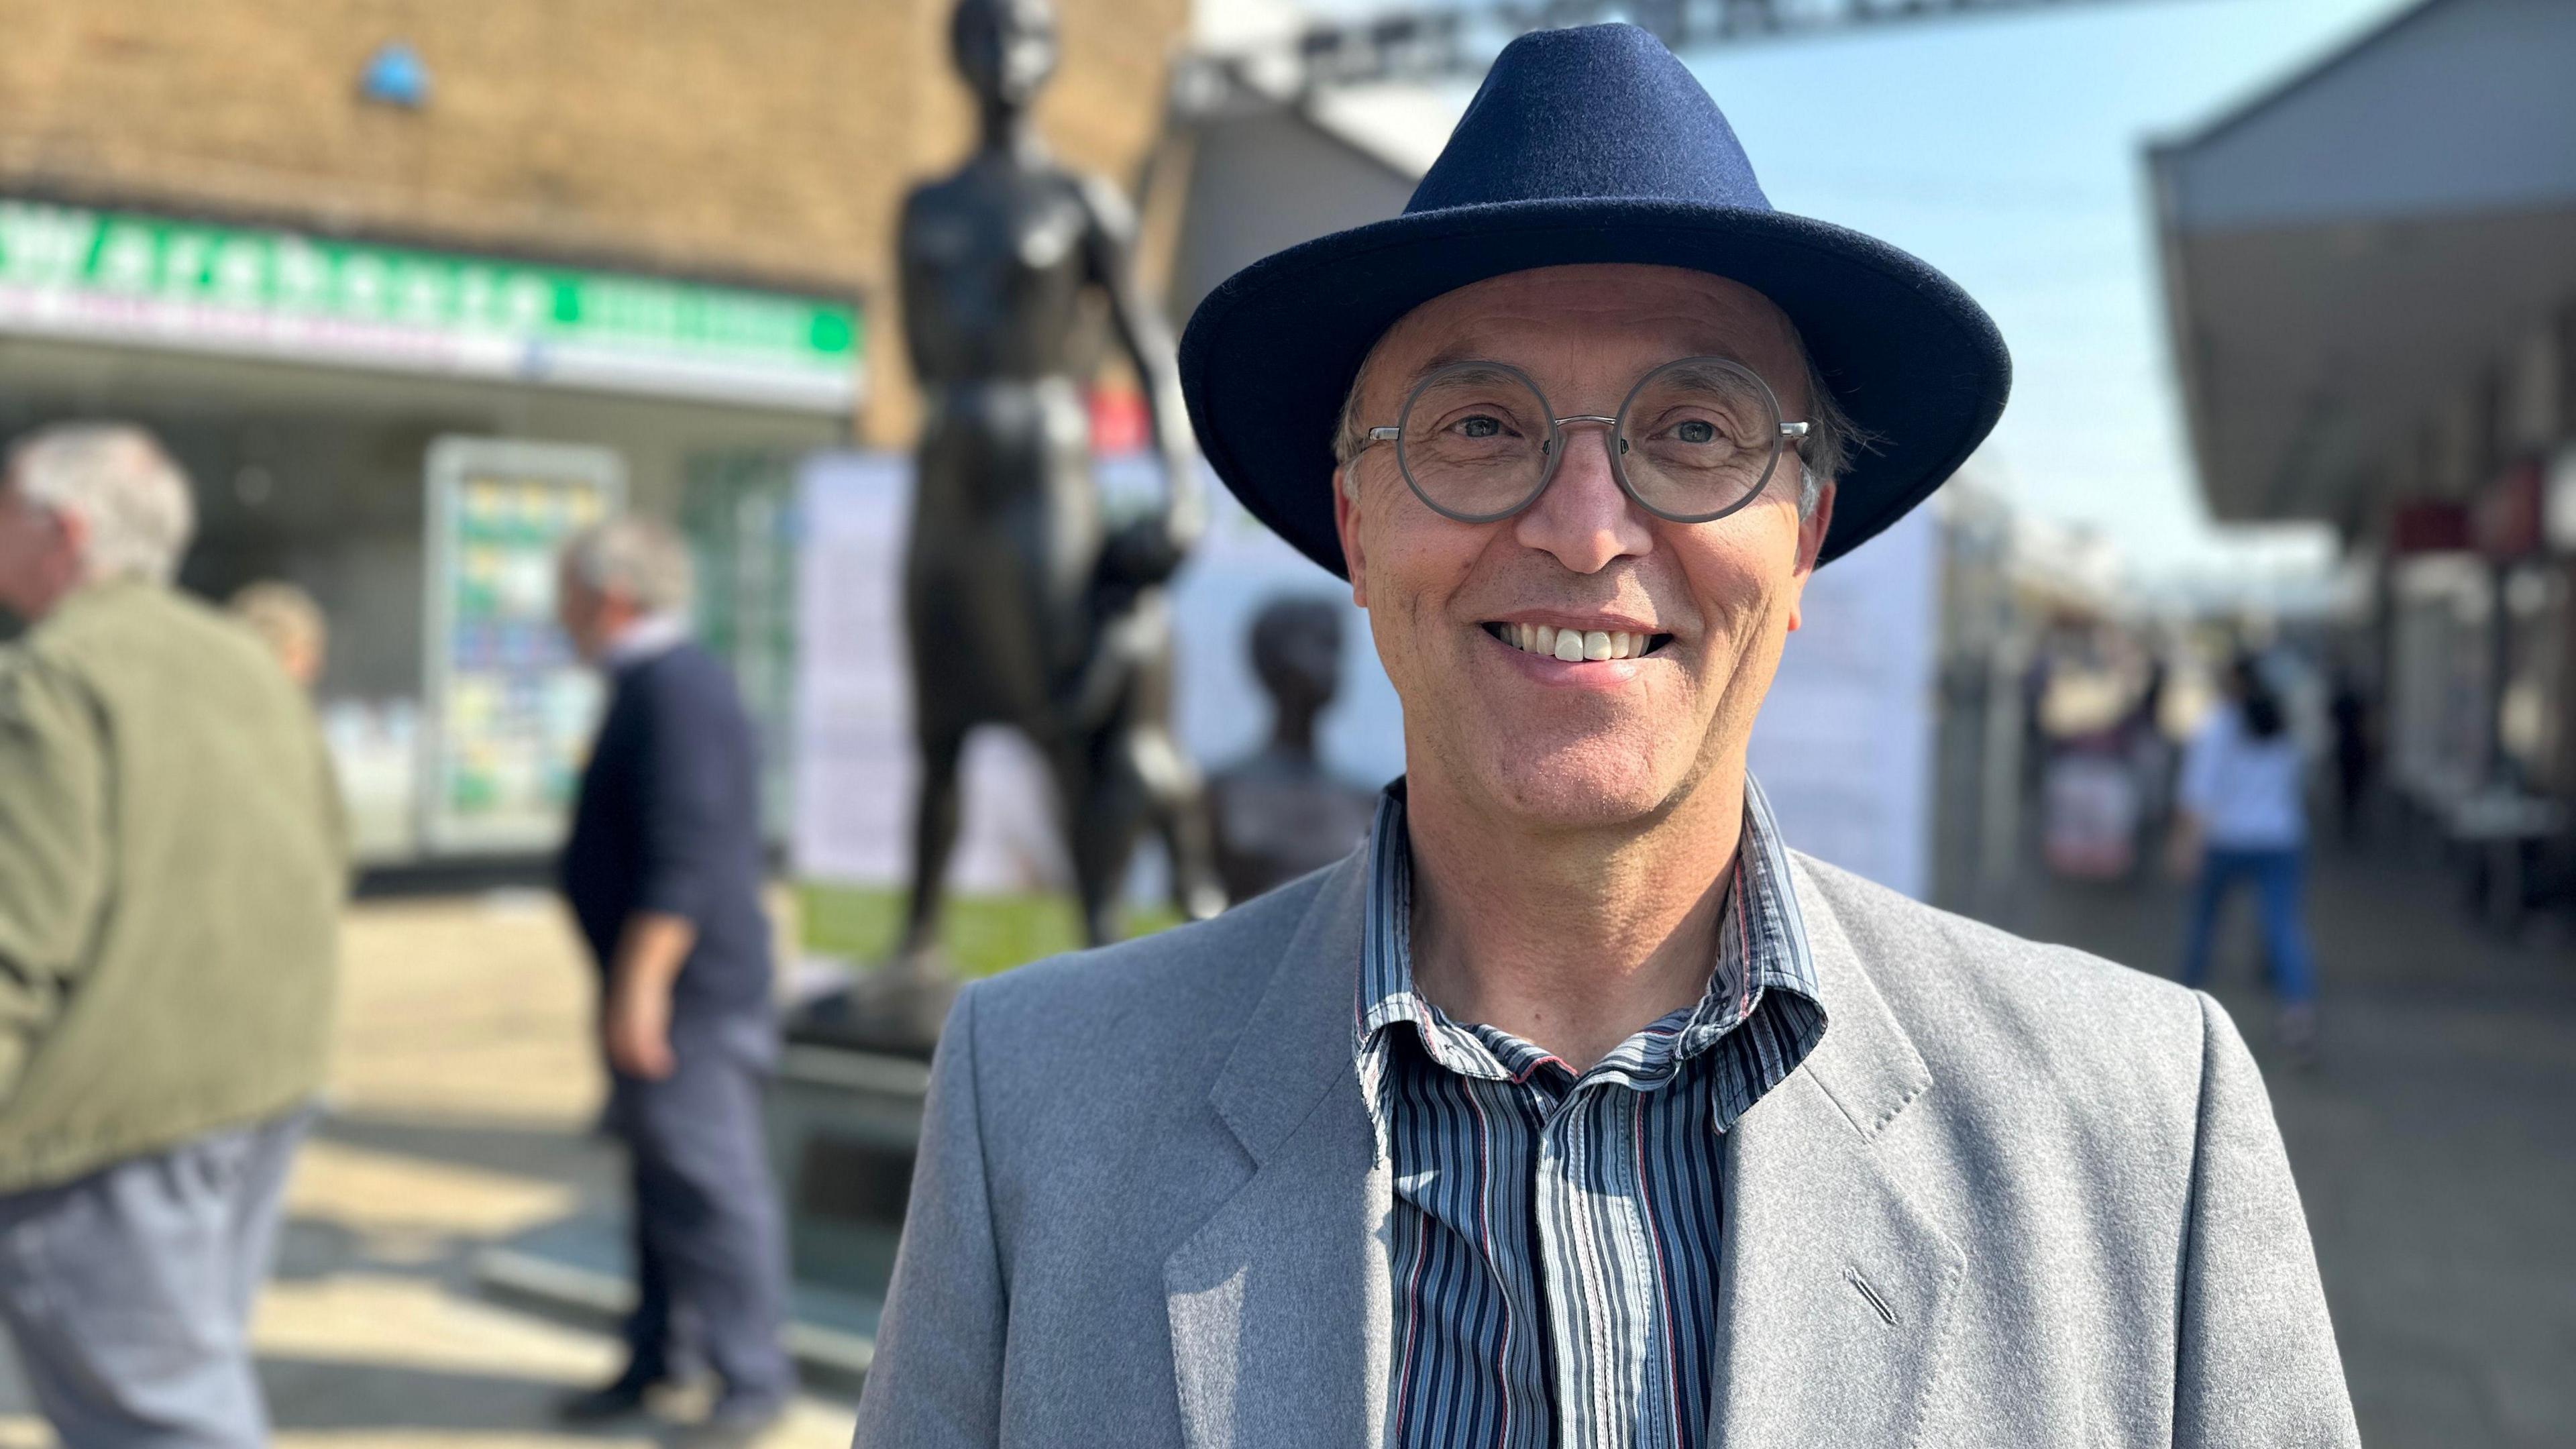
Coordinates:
40 553
1588 743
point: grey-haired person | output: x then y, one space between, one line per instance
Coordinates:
172 863
663 871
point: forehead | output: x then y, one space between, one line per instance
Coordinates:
1565 323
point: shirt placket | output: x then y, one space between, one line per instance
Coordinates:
1589 1262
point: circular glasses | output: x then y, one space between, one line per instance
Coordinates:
1696 440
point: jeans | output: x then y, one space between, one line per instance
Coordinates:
129 1291
2277 877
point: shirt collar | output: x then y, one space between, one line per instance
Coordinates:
1762 946
646 638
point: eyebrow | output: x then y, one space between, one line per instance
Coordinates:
1471 369
1465 353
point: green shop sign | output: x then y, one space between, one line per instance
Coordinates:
115 276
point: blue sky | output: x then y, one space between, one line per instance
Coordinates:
2009 151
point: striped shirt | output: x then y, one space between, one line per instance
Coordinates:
1555 1236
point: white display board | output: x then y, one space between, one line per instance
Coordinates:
1843 745
857 768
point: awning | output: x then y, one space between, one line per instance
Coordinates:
2350 259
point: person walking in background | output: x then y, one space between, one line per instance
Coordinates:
663 871
2242 817
172 863
291 623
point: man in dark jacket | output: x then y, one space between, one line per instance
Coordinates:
663 871
171 869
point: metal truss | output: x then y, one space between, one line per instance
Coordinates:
1444 42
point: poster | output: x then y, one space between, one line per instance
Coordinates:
509 710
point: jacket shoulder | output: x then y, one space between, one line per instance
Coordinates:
1975 993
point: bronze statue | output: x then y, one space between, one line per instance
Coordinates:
1280 813
1024 609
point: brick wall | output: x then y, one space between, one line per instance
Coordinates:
765 138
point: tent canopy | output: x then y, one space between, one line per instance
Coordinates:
2350 258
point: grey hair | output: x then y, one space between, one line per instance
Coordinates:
136 503
1832 437
636 557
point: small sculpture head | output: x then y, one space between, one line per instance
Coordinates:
1297 652
1006 49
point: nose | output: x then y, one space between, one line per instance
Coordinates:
1584 518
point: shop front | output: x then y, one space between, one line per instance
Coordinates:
406 433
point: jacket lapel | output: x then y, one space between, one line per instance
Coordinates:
1836 1294
1279 1304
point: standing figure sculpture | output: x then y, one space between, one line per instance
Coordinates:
1024 609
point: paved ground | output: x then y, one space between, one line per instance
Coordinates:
2435 1143
2435 1140
462 1095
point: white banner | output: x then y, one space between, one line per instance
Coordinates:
1843 745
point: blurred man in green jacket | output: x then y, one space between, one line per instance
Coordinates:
171 871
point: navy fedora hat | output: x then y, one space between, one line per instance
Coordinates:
1591 144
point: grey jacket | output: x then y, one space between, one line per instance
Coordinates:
2017 1196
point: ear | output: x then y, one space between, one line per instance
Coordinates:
1811 542
74 527
1346 522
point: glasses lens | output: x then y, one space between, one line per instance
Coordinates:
1698 437
1474 443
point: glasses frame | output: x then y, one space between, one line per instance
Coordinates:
1789 433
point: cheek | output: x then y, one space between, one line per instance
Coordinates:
1742 579
1416 560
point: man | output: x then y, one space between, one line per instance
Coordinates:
171 870
663 871
1576 1109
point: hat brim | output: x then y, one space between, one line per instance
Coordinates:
1269 356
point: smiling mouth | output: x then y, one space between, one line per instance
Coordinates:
1574 646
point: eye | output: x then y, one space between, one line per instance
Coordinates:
1696 431
1480 426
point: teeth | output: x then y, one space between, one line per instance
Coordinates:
1576 645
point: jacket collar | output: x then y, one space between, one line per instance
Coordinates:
1296 1042
1836 1290
1279 1305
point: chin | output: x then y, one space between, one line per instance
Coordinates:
1593 781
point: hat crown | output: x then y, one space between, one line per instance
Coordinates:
1597 111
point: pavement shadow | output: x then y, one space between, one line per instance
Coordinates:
512 1148
317 1395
